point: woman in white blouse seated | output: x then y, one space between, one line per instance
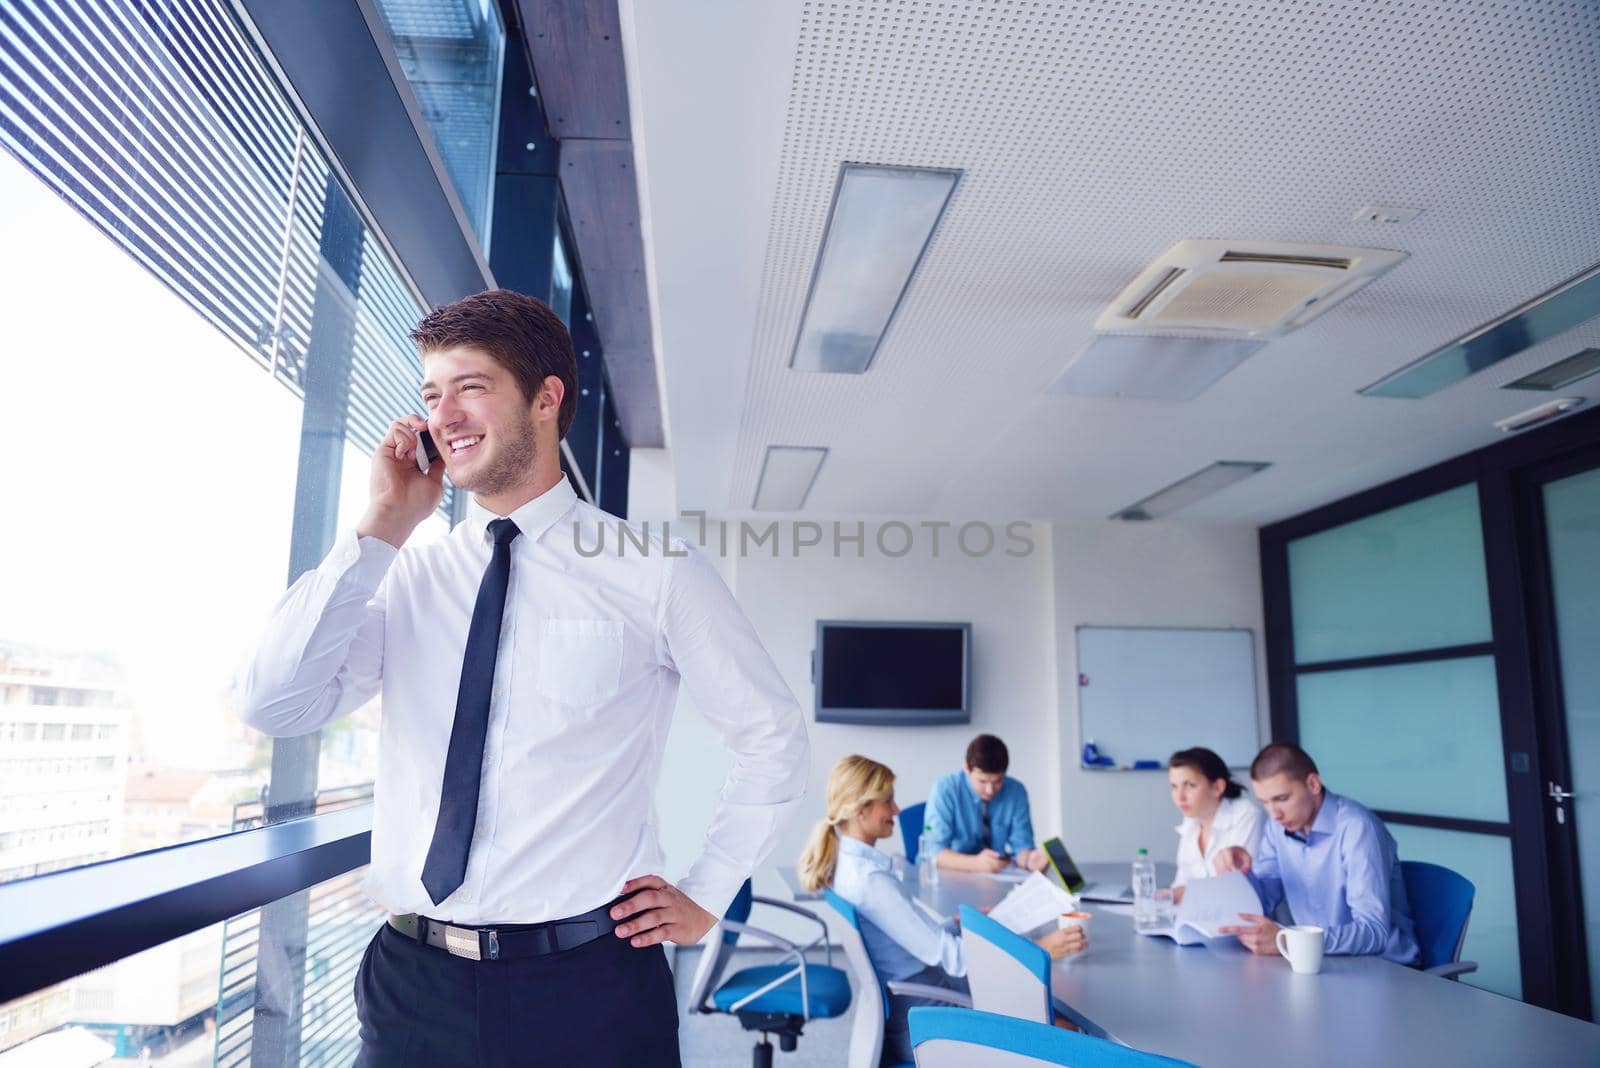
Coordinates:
904 942
1215 814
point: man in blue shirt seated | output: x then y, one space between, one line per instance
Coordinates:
1329 858
979 818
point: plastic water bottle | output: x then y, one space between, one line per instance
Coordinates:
1145 913
927 860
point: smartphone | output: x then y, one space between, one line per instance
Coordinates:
427 452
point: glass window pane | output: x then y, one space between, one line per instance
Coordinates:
125 614
1572 520
1485 859
1405 579
451 52
124 611
193 1000
561 281
1421 738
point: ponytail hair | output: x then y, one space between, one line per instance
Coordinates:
1208 764
853 784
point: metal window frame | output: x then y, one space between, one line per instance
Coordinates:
56 926
376 140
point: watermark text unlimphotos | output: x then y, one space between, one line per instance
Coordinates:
796 537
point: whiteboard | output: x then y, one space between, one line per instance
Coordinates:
1146 692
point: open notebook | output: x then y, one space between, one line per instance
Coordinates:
1209 904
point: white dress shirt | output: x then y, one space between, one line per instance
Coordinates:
1237 823
591 652
900 938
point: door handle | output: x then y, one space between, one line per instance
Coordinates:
1558 795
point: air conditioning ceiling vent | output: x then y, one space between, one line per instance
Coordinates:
1241 289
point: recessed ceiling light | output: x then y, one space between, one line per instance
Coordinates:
787 475
1186 491
880 224
1560 374
1549 314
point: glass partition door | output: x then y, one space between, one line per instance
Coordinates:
1398 702
1571 513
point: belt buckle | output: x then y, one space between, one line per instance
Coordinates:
461 942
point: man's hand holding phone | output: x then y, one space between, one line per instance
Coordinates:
401 495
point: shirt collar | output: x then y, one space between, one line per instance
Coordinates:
861 851
1327 815
1327 818
532 519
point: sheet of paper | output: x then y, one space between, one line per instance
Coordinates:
1012 874
1034 902
1216 901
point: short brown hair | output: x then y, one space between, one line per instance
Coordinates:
988 753
522 334
1282 758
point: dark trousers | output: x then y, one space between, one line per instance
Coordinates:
604 1003
897 1028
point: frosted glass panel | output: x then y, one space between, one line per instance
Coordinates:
1572 519
1421 738
1405 579
1485 859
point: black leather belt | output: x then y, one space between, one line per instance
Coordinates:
507 941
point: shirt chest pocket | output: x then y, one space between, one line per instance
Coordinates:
580 660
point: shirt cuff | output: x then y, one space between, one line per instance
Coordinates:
712 884
361 562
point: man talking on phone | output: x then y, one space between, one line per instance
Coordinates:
527 691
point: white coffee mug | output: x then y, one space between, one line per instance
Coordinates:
1302 945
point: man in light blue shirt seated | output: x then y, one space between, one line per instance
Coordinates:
1329 858
978 818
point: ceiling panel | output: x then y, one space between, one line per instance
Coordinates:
1091 136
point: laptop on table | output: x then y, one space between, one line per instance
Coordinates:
1073 879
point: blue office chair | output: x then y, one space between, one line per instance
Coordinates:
911 828
963 1038
1009 974
1441 905
774 999
866 1032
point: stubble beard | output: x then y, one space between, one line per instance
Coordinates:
511 464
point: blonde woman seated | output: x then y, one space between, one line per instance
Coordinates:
905 943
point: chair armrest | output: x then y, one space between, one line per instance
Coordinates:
934 993
796 909
1453 971
822 928
767 936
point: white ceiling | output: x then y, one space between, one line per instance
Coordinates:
1092 135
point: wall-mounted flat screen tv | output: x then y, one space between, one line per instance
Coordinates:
892 673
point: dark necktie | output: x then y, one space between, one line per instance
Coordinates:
446 865
985 805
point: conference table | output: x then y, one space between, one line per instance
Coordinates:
1218 1004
